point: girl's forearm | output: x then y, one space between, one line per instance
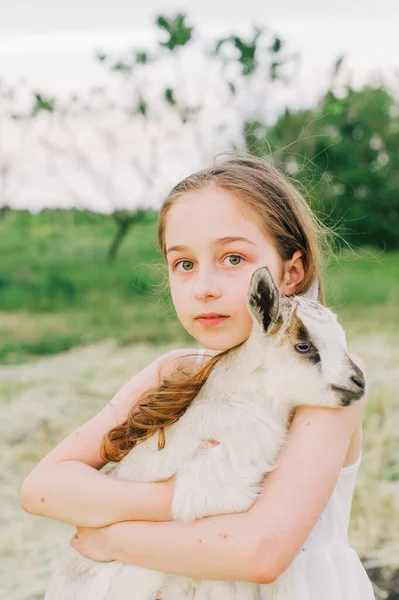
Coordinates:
225 547
75 493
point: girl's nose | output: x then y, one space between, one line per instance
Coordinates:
207 283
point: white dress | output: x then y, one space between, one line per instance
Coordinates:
326 568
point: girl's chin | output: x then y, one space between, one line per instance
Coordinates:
218 343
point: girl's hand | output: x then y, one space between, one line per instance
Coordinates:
208 444
92 543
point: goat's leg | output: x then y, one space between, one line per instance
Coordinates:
214 482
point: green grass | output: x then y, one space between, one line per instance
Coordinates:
363 288
57 290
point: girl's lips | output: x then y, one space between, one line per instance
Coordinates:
211 321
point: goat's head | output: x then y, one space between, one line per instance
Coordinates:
302 346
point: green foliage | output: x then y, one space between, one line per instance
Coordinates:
142 58
49 292
126 66
142 107
251 54
42 104
15 350
170 96
337 65
178 31
344 152
122 67
246 50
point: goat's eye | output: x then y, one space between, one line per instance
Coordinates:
303 347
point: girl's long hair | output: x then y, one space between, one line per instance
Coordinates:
287 219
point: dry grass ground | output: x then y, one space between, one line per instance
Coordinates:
42 401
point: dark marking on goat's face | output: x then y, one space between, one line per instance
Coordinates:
263 298
302 333
298 334
356 387
357 372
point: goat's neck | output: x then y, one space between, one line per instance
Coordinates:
245 372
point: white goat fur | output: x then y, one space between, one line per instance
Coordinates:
245 405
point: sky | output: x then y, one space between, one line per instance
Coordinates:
51 45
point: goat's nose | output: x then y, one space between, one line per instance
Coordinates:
359 381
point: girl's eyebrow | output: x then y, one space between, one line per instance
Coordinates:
218 242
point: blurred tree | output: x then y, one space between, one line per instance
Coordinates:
6 99
162 109
345 149
14 128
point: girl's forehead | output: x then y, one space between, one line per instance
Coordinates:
210 195
211 212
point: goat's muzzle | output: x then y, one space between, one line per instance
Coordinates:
350 395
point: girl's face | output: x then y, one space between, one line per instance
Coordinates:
209 270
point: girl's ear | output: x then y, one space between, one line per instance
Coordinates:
293 274
263 298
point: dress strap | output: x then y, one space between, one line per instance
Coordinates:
200 356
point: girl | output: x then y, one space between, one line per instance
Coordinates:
215 228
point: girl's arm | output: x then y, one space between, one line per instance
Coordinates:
257 545
67 486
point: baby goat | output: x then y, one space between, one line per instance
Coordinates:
295 355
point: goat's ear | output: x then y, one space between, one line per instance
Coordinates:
313 293
263 298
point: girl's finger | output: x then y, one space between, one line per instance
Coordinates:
208 444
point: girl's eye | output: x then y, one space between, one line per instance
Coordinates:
235 256
183 262
303 347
